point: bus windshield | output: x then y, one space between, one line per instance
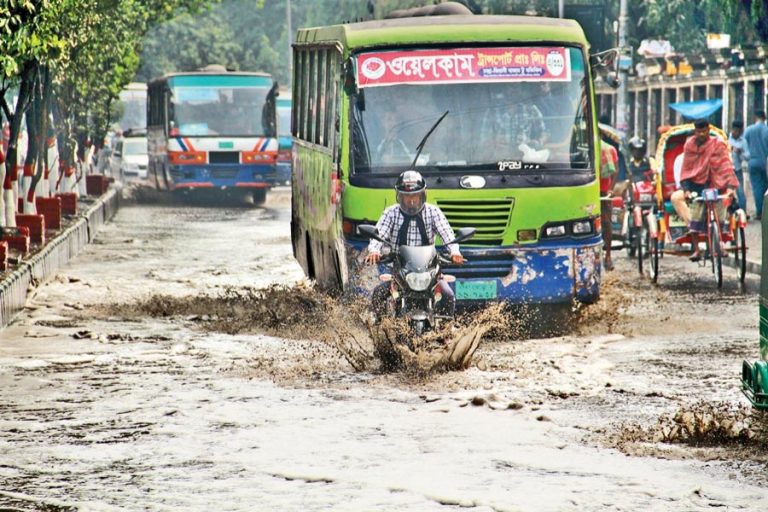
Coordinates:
499 119
230 111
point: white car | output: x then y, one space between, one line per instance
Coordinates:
130 157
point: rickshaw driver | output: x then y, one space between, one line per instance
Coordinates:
706 164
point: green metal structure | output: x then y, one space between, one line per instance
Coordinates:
754 376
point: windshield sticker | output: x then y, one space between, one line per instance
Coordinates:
462 65
516 165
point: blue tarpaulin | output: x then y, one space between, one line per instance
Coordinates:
697 109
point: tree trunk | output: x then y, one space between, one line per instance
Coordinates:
11 162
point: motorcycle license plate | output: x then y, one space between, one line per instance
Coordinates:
476 290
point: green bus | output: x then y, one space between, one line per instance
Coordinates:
515 154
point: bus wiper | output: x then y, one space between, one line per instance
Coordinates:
424 140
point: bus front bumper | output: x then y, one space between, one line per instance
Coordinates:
518 275
222 176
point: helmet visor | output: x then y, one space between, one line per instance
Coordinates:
411 203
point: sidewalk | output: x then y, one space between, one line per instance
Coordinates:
754 248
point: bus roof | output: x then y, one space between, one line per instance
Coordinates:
202 75
446 29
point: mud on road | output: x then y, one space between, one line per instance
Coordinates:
182 362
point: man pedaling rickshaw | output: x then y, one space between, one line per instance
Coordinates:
706 164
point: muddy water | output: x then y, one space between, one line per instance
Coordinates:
155 373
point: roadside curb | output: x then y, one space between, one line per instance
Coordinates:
54 255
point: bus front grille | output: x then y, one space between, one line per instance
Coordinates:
489 216
481 267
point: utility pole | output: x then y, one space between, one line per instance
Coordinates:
561 8
622 95
290 36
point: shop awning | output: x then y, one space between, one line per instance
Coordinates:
697 109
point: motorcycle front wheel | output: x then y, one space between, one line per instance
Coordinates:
418 327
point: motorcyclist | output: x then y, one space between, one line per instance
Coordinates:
413 221
641 167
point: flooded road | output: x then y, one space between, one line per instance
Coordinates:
118 392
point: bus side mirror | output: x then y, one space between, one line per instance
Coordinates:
605 65
270 112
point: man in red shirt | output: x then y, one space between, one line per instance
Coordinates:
609 162
706 164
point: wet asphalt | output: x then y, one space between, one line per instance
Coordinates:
106 410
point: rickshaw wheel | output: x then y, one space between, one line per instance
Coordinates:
640 239
741 253
715 252
653 248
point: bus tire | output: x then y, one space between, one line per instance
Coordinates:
310 260
259 196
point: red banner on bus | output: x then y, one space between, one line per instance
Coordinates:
463 65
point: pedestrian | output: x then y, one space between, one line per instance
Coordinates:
756 136
740 154
706 164
609 161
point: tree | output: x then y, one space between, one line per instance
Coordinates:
755 11
79 53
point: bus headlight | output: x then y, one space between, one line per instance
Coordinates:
554 231
582 227
418 281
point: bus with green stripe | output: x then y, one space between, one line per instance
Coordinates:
515 155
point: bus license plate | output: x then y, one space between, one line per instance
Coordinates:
476 290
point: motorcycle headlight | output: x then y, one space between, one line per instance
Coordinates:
418 281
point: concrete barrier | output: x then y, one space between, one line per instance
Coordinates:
54 255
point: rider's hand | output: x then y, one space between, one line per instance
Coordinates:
457 258
730 192
373 258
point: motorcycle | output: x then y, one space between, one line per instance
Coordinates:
416 271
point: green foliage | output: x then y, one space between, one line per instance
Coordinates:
239 34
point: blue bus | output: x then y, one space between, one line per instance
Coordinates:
213 130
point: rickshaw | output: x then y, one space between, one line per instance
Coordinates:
754 376
723 236
629 210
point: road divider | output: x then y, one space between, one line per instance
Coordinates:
57 252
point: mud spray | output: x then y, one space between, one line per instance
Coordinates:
703 430
344 323
142 192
